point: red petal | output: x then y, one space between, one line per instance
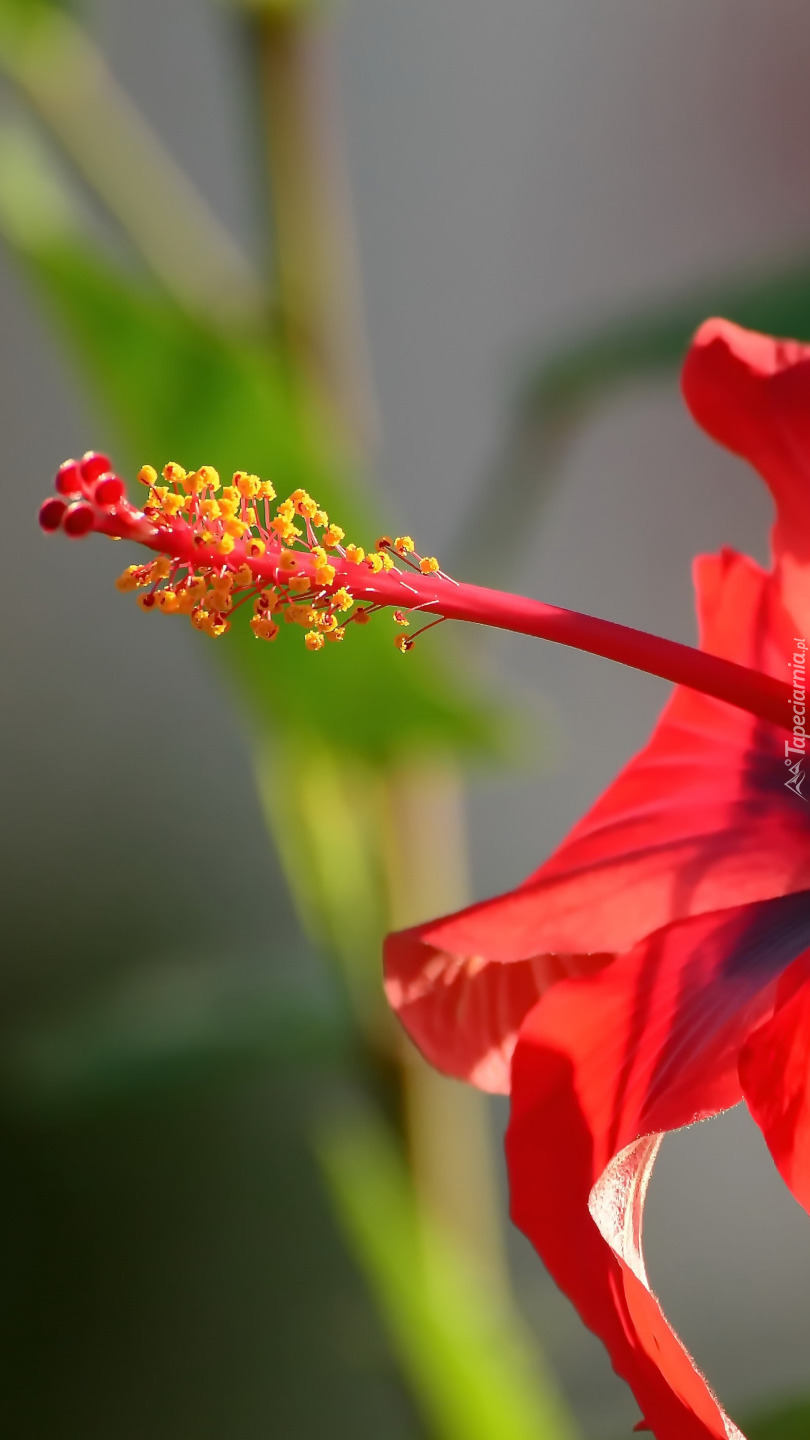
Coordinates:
464 1011
752 394
699 820
775 1076
601 1067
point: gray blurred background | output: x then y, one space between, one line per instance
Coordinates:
519 171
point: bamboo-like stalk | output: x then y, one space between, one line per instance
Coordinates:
316 280
448 1129
318 300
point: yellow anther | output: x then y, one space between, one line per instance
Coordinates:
220 602
283 528
131 578
267 602
264 628
248 486
216 626
303 559
301 615
188 593
185 601
209 476
205 477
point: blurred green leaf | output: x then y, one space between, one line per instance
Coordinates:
331 853
36 206
17 15
655 338
565 381
469 1362
63 76
789 1421
176 388
171 1026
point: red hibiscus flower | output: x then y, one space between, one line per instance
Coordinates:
652 971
